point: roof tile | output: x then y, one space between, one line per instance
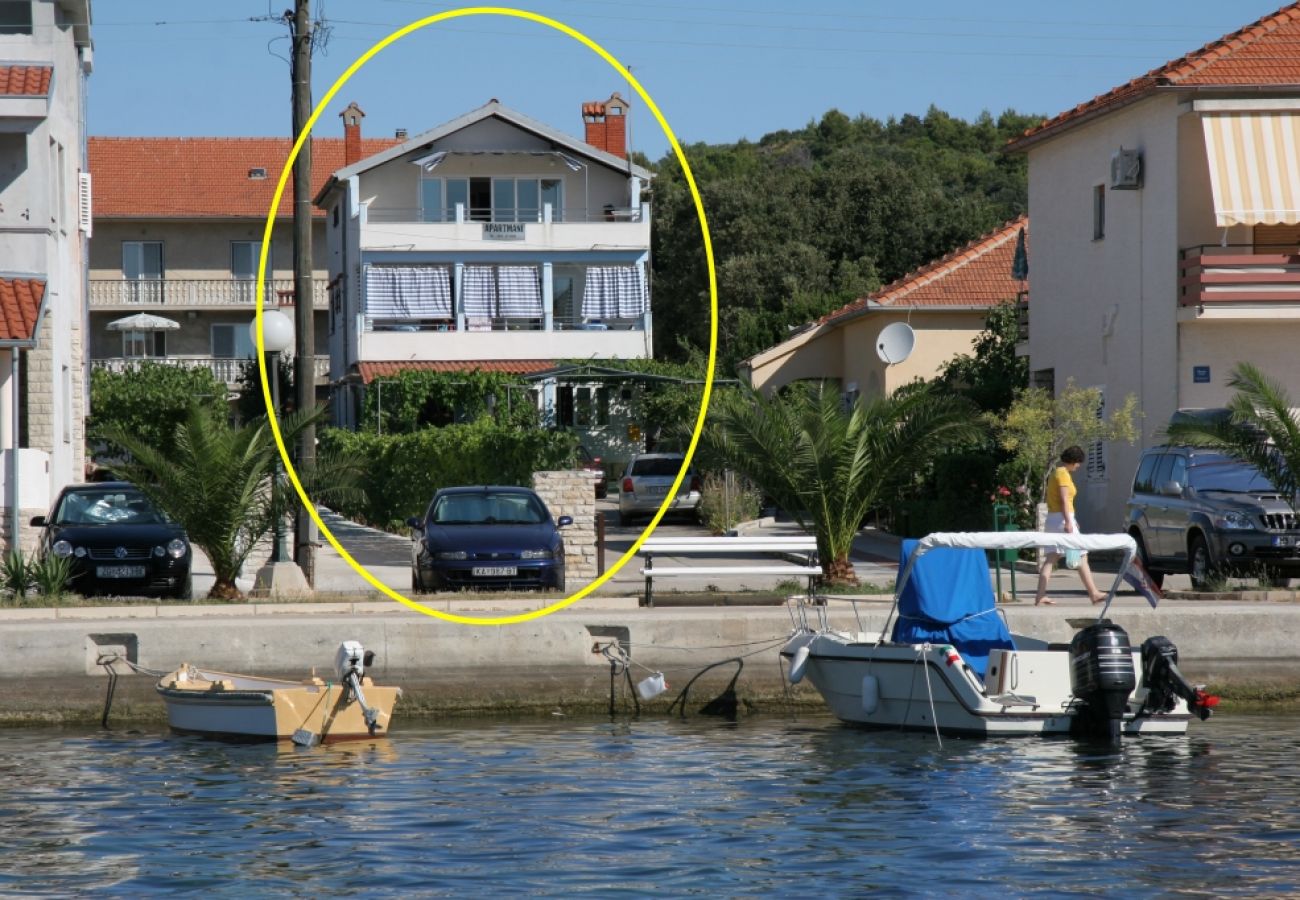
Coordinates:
1262 53
25 81
371 370
20 305
978 274
197 177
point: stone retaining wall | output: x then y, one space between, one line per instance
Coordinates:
571 493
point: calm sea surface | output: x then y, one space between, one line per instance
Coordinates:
653 807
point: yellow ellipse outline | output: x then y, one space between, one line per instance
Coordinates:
713 311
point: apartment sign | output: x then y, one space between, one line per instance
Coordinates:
503 231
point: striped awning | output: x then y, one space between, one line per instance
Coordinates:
613 292
1254 167
408 292
504 291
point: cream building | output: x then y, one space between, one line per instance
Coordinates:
1166 238
45 60
943 305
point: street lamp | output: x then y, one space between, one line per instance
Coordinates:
277 336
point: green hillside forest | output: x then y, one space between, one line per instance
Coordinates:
805 221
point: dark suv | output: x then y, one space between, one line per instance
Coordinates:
1200 512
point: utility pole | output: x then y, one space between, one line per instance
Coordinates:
304 309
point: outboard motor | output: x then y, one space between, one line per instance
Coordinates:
1165 683
350 664
1102 677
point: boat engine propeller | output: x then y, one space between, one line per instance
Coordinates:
1165 683
350 664
1101 677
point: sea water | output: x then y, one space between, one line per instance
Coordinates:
803 806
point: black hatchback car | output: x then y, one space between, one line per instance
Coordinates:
487 537
118 541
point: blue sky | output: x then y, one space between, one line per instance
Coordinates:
720 70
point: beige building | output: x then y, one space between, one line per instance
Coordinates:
1166 216
45 60
178 225
941 306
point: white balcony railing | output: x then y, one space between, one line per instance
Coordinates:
197 292
226 370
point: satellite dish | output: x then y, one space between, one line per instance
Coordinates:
895 342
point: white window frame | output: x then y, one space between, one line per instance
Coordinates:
148 342
139 249
252 276
237 329
447 214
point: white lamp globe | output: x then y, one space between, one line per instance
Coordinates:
277 331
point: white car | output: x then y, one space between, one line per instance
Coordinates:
646 483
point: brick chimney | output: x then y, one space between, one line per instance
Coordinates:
351 133
606 124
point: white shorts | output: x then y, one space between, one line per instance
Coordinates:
1056 525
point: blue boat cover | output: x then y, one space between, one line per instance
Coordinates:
948 600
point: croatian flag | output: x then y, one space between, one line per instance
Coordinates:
1142 583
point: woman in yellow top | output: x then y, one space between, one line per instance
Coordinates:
1060 519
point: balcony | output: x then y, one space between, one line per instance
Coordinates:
406 229
504 338
201 293
1238 277
226 370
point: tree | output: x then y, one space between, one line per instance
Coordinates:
829 467
1260 427
1039 426
251 403
216 481
149 400
991 375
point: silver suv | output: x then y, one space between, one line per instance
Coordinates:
1201 512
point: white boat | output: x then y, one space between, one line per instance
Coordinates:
221 704
952 665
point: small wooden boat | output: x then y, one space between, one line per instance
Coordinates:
221 704
951 663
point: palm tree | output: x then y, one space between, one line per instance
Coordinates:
1260 427
218 483
829 467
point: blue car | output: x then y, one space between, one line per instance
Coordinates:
501 538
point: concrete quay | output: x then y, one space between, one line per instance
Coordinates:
547 666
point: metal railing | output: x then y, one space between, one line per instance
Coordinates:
1237 273
183 292
504 323
569 215
226 370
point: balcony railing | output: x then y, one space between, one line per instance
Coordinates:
474 214
225 370
1238 273
197 292
485 323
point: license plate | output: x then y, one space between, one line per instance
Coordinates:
495 571
119 571
1281 541
656 490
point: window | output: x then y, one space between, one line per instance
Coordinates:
15 16
431 208
142 260
1095 464
232 342
244 256
582 407
1099 212
1178 472
144 344
1144 483
490 199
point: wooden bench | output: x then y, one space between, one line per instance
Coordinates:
802 545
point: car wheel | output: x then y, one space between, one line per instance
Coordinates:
622 519
1157 578
1200 567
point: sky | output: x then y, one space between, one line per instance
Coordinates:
719 70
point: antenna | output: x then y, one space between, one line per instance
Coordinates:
895 342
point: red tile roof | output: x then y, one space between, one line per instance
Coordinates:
25 81
978 274
371 370
198 177
20 305
1263 53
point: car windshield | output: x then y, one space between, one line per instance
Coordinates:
1228 475
108 506
488 508
664 466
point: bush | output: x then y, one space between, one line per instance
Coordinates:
727 499
21 575
150 400
404 470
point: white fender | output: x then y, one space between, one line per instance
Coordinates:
870 694
798 664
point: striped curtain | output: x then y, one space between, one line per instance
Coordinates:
408 292
519 292
613 292
479 291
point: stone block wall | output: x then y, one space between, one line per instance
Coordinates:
571 493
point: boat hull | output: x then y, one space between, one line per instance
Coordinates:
219 704
916 687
